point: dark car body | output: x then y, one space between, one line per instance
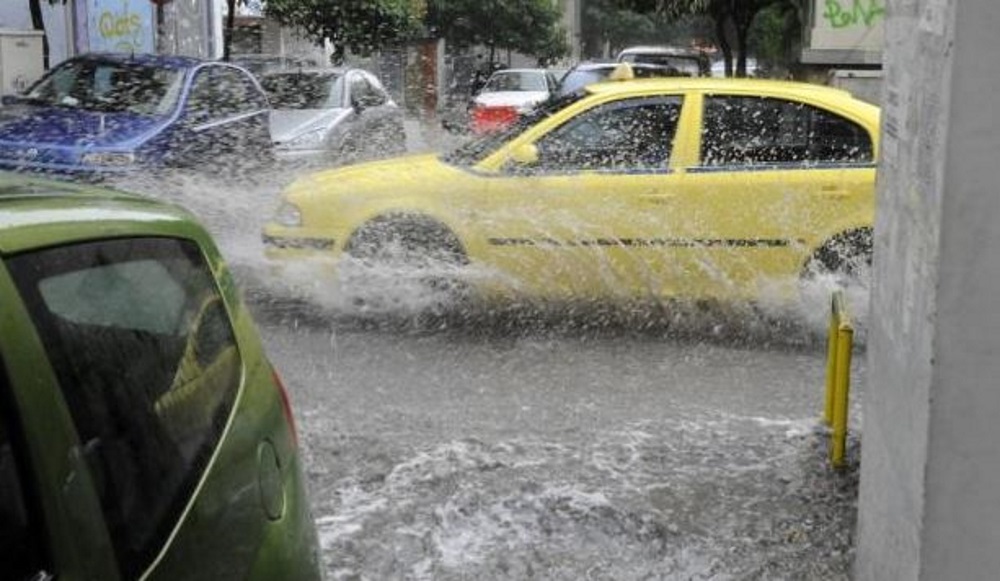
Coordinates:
143 431
689 62
101 114
584 74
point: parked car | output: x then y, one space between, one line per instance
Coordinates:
586 73
695 188
332 115
718 68
143 432
102 114
689 62
508 94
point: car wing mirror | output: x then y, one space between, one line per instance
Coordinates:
10 100
525 154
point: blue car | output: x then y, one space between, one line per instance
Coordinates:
102 114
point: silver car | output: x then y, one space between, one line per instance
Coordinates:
332 115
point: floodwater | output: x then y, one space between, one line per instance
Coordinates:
575 443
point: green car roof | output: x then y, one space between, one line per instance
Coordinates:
37 212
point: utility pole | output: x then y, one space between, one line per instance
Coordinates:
929 504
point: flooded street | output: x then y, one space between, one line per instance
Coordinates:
532 452
553 445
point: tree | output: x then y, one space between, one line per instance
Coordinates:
227 37
608 26
733 19
38 23
362 26
526 26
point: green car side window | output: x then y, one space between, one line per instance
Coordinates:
146 358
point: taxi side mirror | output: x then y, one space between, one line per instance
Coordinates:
526 154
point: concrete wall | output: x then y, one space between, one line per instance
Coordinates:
189 28
844 32
930 470
58 18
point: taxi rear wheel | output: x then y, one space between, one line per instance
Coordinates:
844 261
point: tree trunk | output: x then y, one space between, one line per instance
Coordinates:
38 23
721 20
227 37
742 32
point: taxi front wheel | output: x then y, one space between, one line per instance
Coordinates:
416 248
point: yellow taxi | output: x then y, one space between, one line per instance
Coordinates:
678 187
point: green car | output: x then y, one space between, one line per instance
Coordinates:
143 432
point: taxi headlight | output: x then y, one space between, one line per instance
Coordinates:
109 158
289 215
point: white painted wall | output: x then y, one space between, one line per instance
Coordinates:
930 467
14 15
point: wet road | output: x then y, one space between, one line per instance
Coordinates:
554 445
534 448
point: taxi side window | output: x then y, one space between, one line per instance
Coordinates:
20 547
627 135
147 362
760 131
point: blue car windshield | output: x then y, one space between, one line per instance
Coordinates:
110 87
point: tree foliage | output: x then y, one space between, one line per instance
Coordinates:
526 26
732 18
362 26
608 26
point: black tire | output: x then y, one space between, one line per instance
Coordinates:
416 246
846 258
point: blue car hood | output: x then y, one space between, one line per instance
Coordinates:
65 127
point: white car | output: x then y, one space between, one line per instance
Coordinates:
508 94
332 114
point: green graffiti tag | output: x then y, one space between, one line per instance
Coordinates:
858 13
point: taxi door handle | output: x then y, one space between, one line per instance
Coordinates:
833 191
658 197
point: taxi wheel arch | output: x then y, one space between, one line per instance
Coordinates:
411 238
844 255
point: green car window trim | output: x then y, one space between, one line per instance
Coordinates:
150 396
22 550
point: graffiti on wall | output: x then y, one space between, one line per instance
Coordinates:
851 13
120 25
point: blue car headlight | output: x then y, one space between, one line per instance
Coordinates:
109 158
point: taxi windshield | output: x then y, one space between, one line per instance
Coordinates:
480 148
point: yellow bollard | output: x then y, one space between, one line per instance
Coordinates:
838 377
831 364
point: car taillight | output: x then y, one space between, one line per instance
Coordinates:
286 406
487 119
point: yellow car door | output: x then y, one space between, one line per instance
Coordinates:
774 179
580 217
